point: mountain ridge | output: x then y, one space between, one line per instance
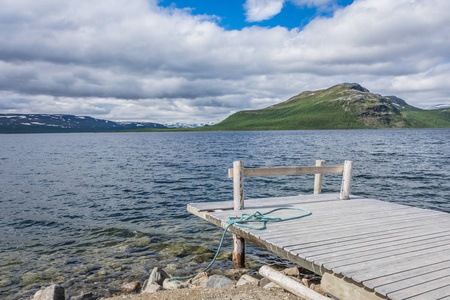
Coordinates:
43 123
343 106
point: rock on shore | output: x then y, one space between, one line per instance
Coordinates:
160 286
53 292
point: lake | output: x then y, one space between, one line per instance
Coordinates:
96 210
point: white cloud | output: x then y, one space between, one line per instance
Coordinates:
134 60
425 89
260 10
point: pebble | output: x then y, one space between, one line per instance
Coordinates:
294 271
200 279
102 272
318 288
131 287
247 279
306 282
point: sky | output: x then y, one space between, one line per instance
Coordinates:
201 60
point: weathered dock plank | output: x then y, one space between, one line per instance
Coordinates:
388 250
386 281
430 290
343 252
395 288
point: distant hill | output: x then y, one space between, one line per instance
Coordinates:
343 106
187 125
41 123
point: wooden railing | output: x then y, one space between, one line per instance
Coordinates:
238 173
257 172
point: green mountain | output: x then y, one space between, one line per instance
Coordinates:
343 106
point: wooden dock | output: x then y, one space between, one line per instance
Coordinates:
363 248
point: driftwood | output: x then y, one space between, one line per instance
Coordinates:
290 284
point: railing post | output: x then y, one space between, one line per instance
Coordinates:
318 178
346 180
238 201
238 185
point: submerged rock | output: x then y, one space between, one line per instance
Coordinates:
5 282
225 255
179 250
102 272
218 281
30 278
53 292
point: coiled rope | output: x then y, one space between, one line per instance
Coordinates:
243 220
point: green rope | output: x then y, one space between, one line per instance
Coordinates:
242 220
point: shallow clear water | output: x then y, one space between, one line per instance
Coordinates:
96 210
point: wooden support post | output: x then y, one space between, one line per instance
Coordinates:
318 178
238 203
346 180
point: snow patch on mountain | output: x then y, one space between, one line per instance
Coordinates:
188 125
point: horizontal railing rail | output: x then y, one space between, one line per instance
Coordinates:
281 171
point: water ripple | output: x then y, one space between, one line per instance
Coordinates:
97 210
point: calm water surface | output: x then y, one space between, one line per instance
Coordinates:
96 210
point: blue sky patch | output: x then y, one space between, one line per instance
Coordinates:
231 13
